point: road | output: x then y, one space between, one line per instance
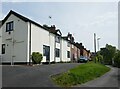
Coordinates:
39 76
33 76
110 79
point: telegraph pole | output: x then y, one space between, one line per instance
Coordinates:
95 45
98 42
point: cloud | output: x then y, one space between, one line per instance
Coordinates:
101 20
60 1
14 1
107 16
2 15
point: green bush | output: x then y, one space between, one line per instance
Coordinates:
36 57
116 59
100 58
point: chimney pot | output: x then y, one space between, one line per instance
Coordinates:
52 27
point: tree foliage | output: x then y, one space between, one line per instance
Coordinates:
116 59
108 53
98 58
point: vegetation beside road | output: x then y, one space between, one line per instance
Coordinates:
80 74
109 55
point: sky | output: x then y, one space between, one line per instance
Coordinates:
82 19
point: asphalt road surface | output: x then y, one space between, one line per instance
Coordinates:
33 76
110 79
39 76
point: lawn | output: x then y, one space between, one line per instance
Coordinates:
80 74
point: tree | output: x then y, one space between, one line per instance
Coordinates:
108 53
116 59
98 57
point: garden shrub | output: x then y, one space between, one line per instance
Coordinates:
36 57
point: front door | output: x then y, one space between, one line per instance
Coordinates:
47 53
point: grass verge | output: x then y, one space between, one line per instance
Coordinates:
80 74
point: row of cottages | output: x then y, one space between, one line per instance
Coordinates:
76 49
20 36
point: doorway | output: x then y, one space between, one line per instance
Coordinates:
46 52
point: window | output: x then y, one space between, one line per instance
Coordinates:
9 26
3 48
57 52
57 39
68 54
68 44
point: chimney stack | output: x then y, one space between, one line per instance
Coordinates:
81 44
52 27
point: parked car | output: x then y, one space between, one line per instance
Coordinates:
82 59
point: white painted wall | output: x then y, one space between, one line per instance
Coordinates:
42 37
52 46
18 52
69 49
64 49
57 59
39 37
58 45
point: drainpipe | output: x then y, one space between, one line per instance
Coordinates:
54 49
50 48
30 44
13 43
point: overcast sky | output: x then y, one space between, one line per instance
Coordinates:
82 19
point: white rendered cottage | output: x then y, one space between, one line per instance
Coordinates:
22 36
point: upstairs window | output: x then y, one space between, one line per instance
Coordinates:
57 52
68 54
68 44
9 26
57 39
3 48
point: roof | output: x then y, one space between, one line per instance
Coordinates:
29 20
55 31
52 29
35 23
23 18
71 38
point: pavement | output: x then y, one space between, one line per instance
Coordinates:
110 79
33 76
